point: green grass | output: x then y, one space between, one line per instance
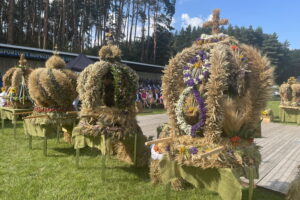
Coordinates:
152 111
27 175
274 106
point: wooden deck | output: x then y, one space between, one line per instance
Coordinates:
280 149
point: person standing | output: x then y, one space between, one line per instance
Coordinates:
3 95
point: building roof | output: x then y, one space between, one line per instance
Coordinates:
79 63
43 54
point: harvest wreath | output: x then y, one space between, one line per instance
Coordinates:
108 119
15 82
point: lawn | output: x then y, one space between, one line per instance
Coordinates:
152 111
274 106
27 174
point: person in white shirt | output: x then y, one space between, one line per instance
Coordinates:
3 94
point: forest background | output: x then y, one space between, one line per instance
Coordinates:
142 28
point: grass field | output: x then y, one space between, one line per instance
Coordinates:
274 106
26 174
152 111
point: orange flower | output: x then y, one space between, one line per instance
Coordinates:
157 149
235 140
234 47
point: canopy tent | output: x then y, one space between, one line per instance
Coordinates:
79 63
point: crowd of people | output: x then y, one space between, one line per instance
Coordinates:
149 93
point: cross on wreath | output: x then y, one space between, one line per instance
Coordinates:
216 22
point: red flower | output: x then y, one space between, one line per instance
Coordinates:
235 140
234 47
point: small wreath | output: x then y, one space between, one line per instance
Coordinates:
183 125
197 69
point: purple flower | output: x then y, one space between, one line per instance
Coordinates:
168 148
187 75
244 58
204 57
193 60
206 74
190 82
202 116
201 53
199 81
186 68
193 150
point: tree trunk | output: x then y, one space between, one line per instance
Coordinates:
143 32
132 20
155 31
136 20
10 31
45 41
148 34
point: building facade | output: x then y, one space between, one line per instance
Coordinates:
9 56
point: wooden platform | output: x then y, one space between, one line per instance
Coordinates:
280 149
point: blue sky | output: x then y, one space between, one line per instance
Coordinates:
282 17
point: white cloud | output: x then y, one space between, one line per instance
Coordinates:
186 20
173 22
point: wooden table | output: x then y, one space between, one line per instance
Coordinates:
11 114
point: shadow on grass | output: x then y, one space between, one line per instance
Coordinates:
141 172
92 152
263 194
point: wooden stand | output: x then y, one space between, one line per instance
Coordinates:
58 131
289 114
45 146
15 113
77 158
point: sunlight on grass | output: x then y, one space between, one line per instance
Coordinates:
274 106
27 174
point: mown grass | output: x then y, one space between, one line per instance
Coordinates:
152 111
26 174
274 106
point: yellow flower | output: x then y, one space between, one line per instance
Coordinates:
264 112
198 64
12 90
2 89
182 150
191 109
